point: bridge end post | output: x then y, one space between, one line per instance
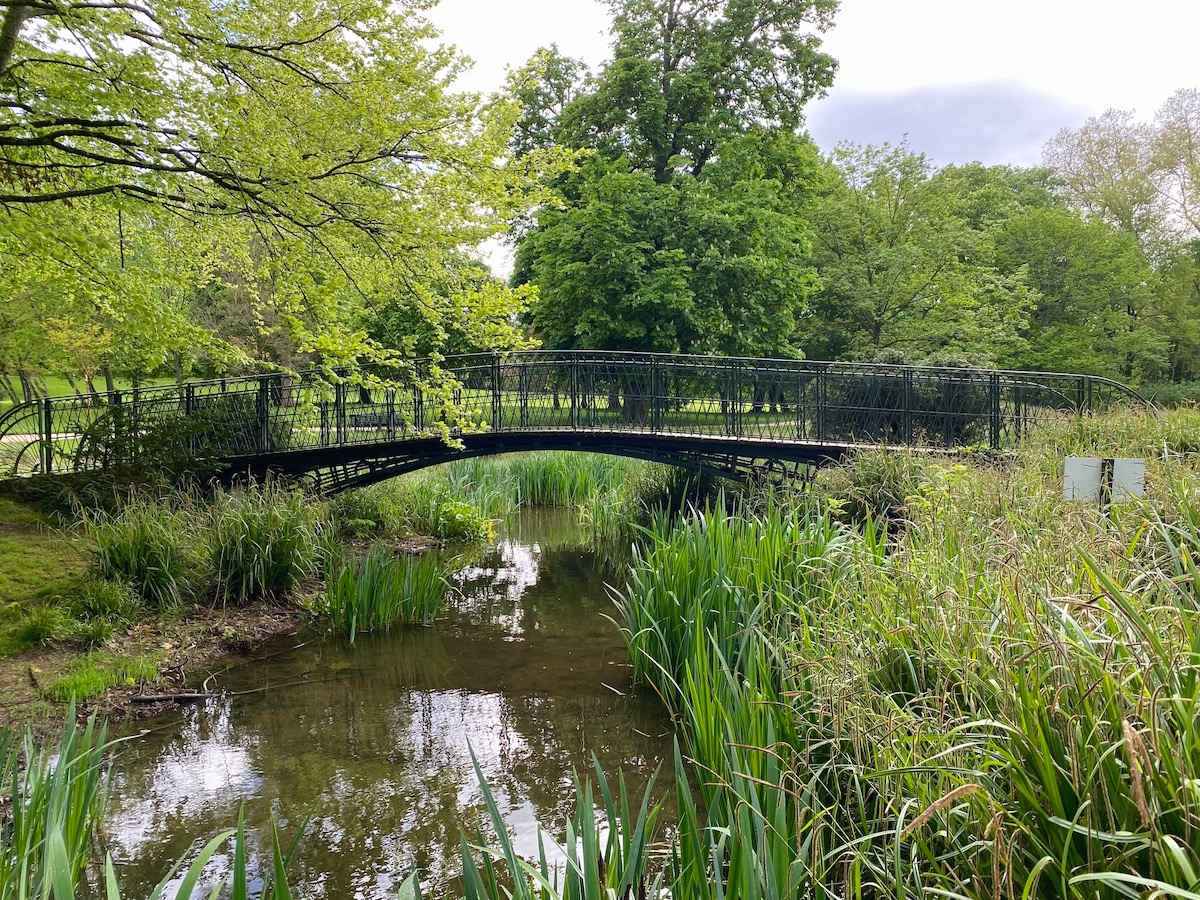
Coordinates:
189 408
497 412
906 423
264 416
994 411
46 447
574 394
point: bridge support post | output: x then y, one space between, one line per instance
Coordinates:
189 409
819 407
263 413
994 410
574 394
906 425
497 410
339 412
655 402
47 438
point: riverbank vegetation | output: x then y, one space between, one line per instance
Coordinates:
93 585
381 590
921 675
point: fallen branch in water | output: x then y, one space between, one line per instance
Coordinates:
186 697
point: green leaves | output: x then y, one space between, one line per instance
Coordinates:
239 181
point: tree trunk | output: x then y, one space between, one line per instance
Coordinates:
10 30
108 379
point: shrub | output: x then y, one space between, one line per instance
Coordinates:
148 546
380 590
261 542
873 484
458 520
364 511
428 504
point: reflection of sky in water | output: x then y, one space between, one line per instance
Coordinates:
375 754
514 569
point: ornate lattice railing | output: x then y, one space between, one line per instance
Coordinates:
743 400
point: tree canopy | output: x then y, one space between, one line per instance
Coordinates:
686 229
197 187
313 159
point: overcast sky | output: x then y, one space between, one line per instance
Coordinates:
964 79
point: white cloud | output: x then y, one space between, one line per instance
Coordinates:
992 123
1042 64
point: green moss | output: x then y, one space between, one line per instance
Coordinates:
93 674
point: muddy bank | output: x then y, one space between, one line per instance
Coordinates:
187 649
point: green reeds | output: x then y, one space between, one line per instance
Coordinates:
382 590
51 798
605 853
261 542
147 545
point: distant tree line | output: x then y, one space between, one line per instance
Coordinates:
700 217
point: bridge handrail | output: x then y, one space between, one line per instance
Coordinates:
36 432
441 362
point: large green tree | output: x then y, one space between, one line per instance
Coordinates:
314 154
906 262
687 75
1096 310
716 263
686 229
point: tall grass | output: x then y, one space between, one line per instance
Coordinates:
456 501
261 542
147 545
429 504
381 590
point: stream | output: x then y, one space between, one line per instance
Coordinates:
369 746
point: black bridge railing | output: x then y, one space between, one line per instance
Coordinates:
742 401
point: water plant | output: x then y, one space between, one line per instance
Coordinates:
381 590
52 797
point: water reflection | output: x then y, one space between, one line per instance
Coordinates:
373 752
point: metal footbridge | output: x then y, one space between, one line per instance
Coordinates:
731 416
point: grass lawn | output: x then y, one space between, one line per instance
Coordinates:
36 560
58 386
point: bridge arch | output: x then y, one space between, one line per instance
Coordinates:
331 473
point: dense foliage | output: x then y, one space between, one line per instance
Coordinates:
195 185
703 220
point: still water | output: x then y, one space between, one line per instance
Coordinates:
369 746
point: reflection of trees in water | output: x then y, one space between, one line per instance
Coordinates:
377 755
